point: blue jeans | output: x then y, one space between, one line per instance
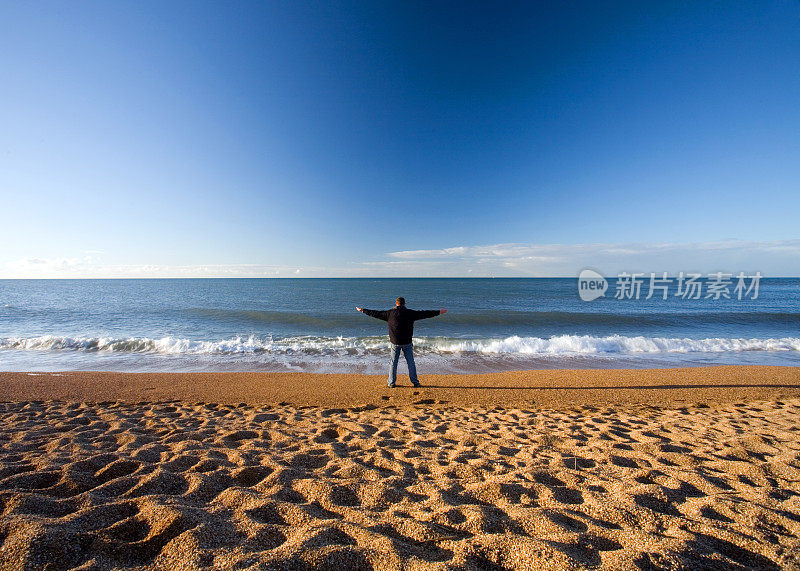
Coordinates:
408 353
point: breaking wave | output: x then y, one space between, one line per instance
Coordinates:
318 345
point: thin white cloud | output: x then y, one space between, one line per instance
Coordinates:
771 258
88 267
567 250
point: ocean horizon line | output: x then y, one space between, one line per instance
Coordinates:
612 276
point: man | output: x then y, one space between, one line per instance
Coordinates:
401 330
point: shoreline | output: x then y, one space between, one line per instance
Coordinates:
550 388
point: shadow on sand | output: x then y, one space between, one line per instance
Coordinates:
616 387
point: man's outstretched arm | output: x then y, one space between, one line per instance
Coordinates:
425 314
384 315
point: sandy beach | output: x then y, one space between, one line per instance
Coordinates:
695 468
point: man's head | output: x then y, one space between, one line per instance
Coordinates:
400 301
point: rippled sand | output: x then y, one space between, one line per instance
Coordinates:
426 484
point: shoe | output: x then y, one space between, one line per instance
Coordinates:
392 386
417 386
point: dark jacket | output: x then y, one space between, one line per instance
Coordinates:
401 321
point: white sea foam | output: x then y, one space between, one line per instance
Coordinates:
311 345
587 344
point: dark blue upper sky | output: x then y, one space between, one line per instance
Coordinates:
330 133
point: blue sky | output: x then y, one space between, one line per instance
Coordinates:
398 138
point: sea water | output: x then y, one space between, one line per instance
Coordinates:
312 325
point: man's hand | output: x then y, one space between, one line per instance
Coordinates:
442 311
359 308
